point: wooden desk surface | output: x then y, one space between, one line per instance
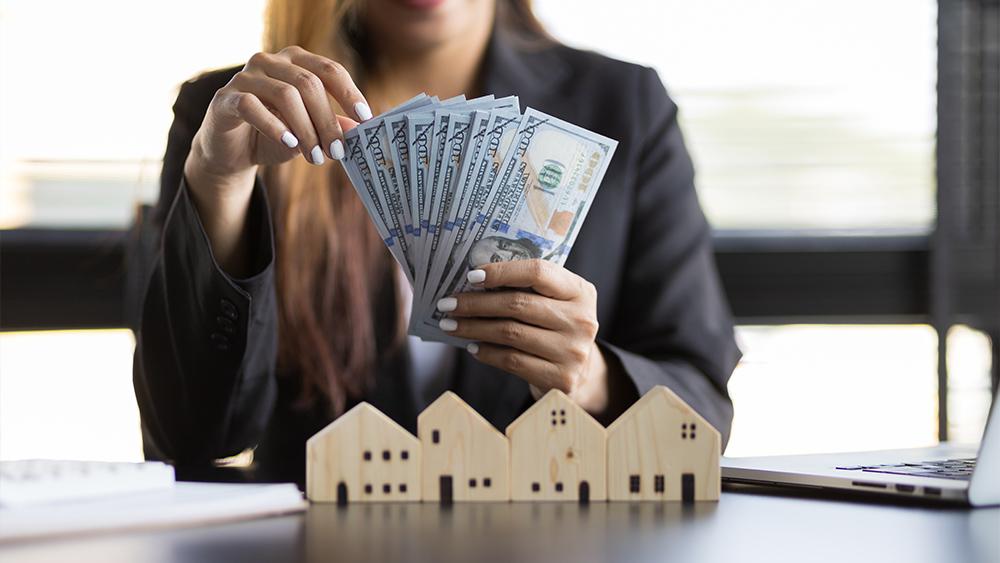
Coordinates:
743 526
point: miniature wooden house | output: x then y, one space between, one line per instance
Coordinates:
557 452
661 449
363 456
464 458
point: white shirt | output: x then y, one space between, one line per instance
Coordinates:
431 363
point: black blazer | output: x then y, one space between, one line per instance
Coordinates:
204 369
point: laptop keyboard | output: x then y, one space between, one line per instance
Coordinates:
960 469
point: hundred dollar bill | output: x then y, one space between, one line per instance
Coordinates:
439 146
375 142
420 128
399 149
455 143
545 187
359 172
488 145
448 145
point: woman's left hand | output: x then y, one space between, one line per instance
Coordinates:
545 336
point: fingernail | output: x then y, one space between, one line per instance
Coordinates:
337 149
473 348
290 140
317 155
364 112
476 276
447 304
448 325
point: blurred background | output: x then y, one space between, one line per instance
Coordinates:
847 156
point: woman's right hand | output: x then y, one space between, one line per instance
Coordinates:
276 108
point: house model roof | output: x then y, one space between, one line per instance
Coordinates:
659 392
553 397
449 400
363 411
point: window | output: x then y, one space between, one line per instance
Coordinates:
835 133
658 484
106 158
886 373
435 436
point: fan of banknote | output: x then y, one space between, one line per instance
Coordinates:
454 184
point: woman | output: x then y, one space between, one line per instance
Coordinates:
272 306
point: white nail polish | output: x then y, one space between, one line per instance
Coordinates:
290 140
337 149
364 112
473 348
476 276
317 155
447 305
448 325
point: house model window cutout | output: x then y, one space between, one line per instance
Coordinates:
464 458
359 458
557 452
661 449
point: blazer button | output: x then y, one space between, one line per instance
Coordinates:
225 324
220 341
228 309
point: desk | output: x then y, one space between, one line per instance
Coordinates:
743 526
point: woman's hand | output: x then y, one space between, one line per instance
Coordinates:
545 336
277 107
274 109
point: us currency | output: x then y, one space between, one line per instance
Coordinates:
416 134
365 161
420 128
454 144
535 207
359 172
399 149
439 148
487 148
446 140
375 141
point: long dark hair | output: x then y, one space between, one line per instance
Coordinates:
330 261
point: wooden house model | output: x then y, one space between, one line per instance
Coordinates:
363 456
464 458
661 449
557 452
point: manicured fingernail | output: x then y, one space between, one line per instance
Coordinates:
317 155
364 112
448 325
476 276
447 304
337 149
473 348
290 140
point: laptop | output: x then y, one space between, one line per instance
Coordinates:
947 472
